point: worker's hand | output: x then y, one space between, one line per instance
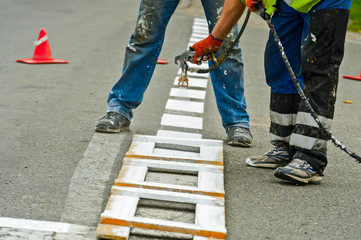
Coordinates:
205 47
252 5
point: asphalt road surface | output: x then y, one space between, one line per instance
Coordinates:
55 168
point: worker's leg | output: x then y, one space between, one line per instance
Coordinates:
284 101
141 56
227 79
321 59
228 84
289 25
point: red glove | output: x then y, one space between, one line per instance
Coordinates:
251 4
204 47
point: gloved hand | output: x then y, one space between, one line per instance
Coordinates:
205 47
251 4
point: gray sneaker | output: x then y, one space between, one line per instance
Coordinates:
276 157
239 136
112 122
298 171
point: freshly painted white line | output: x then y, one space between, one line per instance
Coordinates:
182 121
197 29
36 225
200 23
187 93
176 134
198 35
185 106
199 20
193 74
86 191
195 39
203 32
194 82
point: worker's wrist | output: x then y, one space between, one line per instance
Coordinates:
215 38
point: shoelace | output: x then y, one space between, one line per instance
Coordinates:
238 129
298 163
108 115
277 149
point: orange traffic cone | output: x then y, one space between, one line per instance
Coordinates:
42 52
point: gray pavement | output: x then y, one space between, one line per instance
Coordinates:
48 113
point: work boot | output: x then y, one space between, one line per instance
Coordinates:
239 136
276 157
298 171
112 122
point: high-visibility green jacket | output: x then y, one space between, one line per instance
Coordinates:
299 5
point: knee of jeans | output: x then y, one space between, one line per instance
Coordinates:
147 27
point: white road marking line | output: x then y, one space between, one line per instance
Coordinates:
198 31
200 23
186 106
201 30
182 121
200 20
195 39
198 35
187 93
176 134
37 225
194 82
87 186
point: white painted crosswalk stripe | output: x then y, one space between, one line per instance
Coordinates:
198 35
185 106
182 121
187 93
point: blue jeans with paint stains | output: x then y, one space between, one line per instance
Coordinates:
142 53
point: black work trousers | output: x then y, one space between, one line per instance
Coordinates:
291 123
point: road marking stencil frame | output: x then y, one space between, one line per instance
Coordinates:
130 186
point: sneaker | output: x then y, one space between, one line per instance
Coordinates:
239 136
298 171
276 157
112 122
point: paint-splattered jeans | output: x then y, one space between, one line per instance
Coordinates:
142 53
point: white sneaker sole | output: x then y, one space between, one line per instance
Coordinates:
288 177
263 165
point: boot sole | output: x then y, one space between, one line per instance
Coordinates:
109 130
263 165
295 179
239 144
